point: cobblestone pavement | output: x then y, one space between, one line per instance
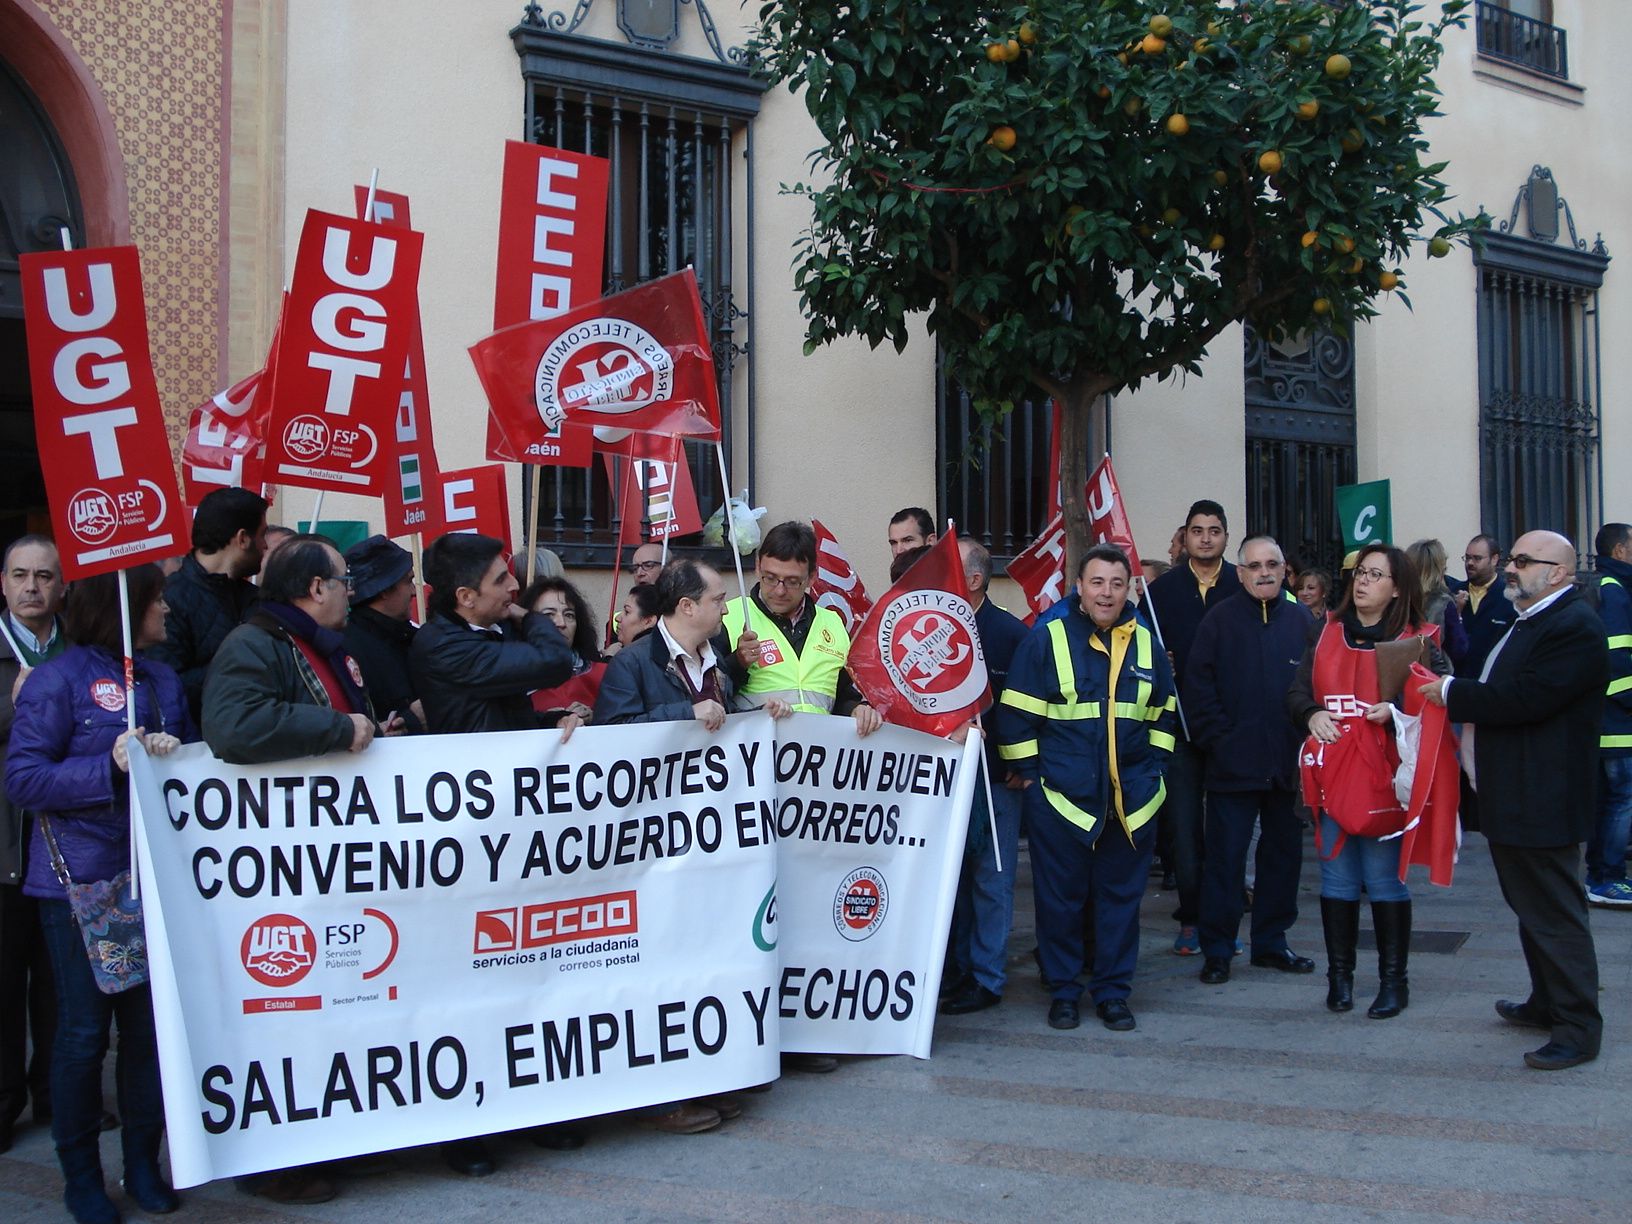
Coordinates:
1246 1101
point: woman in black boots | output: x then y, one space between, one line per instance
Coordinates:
1336 695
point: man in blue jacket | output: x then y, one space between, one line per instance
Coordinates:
1244 656
1088 717
1606 850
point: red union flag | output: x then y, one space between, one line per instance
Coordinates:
411 499
637 361
552 243
837 584
341 352
475 500
1040 570
222 449
657 491
917 657
97 419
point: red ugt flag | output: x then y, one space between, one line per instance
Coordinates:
222 449
97 420
917 658
837 584
657 487
1040 570
636 361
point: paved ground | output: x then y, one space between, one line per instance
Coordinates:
1240 1102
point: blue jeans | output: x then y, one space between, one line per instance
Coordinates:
985 906
84 1015
1363 861
1606 851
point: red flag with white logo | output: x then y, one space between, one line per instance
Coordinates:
351 310
636 361
656 490
411 497
1107 515
98 424
1040 571
837 584
221 449
476 500
552 245
917 657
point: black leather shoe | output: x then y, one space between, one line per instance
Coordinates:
1555 1056
1116 1014
1215 971
955 985
558 1137
1284 959
810 1064
146 1186
975 998
1062 1014
468 1157
1525 1015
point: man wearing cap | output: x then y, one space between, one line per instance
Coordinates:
379 632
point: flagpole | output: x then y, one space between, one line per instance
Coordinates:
731 536
991 812
317 511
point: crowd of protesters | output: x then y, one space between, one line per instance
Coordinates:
1163 726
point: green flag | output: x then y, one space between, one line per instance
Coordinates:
1363 511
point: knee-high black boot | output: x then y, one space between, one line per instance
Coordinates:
1341 922
1393 922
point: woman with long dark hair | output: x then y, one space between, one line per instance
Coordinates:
67 762
1336 693
569 611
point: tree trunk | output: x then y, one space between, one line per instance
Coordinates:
1077 439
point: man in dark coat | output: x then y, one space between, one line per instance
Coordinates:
211 593
479 653
379 633
1534 762
1244 656
1486 614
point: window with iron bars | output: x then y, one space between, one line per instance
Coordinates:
1521 32
669 206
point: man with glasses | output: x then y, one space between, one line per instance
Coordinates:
646 562
1245 654
1531 751
1485 614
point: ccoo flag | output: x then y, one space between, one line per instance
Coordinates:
917 657
638 361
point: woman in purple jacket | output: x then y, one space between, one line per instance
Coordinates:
67 763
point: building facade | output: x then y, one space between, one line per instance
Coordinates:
203 131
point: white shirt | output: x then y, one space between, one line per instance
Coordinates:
696 667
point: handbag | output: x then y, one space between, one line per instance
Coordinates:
109 917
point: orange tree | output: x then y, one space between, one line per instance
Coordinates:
1079 195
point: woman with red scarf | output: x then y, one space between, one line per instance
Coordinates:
1336 695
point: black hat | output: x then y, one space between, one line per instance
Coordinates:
376 565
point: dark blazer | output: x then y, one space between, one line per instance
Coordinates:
1484 627
470 680
642 683
1536 727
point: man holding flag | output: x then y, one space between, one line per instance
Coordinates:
1089 715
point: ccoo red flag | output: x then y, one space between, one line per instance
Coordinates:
837 584
636 361
917 657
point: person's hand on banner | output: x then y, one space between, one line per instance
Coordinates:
393 724
867 719
362 732
1324 727
777 708
570 722
960 734
748 648
160 743
710 713
121 749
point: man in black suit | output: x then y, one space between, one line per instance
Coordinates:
1485 614
1533 719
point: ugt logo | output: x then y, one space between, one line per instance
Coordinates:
278 950
306 438
91 516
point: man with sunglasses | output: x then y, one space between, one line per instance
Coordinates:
1531 751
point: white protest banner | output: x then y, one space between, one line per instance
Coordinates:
870 843
455 936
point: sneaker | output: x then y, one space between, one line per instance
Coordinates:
1612 892
1187 944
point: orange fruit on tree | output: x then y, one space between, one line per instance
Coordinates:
1002 138
1171 216
1132 107
1352 141
1356 265
1122 58
1177 125
1201 46
1322 306
1438 248
1104 91
1028 33
1214 28
1346 245
1011 51
1308 109
994 53
1160 25
1310 237
1300 45
1216 242
1221 178
1269 161
1338 66
1388 280
1152 45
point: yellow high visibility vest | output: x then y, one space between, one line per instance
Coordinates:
808 682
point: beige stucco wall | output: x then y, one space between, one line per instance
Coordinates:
847 434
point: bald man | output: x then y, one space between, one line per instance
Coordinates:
1531 750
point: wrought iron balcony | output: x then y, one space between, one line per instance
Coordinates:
1516 39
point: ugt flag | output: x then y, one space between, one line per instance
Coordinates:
637 361
917 657
1040 570
837 584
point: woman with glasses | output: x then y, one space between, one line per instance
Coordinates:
67 762
1337 695
569 611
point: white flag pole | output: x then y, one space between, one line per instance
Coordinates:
991 812
731 534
